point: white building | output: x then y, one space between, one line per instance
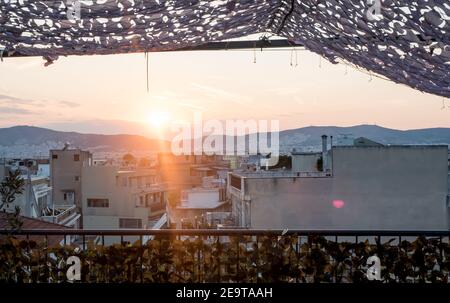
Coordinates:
35 198
115 199
197 205
36 201
66 173
43 170
365 186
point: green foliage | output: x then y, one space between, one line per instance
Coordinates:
251 259
13 219
10 187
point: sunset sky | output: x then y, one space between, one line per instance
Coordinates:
221 84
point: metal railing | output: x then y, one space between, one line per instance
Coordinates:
230 232
65 211
263 174
235 255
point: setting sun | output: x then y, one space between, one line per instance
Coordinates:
158 118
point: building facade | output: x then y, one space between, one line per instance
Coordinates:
115 199
197 205
66 173
365 187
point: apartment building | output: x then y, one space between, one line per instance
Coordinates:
198 206
363 186
113 198
66 172
188 171
35 201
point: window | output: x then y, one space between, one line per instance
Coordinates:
98 202
130 223
222 194
235 182
193 172
54 156
76 158
124 182
69 196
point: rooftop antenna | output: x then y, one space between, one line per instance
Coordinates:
146 60
294 52
66 146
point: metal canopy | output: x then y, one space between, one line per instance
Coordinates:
406 41
222 46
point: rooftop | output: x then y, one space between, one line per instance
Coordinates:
31 224
388 146
262 174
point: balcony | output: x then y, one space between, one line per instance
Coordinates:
63 215
150 188
228 256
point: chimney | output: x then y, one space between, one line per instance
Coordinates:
324 151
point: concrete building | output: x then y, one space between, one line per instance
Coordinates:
188 171
196 205
36 200
66 173
368 186
115 199
311 162
43 170
305 161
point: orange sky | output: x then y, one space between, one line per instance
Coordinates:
222 84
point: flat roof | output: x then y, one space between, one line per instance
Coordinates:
217 205
300 153
406 146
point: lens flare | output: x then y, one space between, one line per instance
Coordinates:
338 203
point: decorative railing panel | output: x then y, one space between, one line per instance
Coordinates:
226 256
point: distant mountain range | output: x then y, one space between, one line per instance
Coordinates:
23 141
27 141
311 136
108 127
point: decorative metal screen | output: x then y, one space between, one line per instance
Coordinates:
406 41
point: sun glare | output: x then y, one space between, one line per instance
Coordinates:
158 119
